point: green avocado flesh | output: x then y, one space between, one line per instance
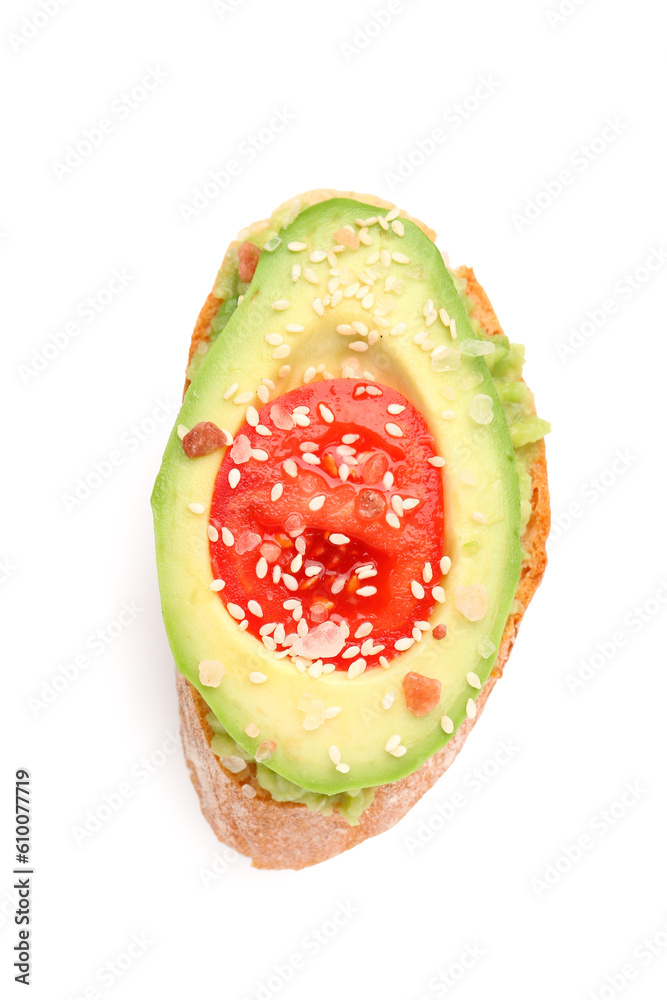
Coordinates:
481 417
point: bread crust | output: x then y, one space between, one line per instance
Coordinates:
282 835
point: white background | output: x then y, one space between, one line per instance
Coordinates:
475 884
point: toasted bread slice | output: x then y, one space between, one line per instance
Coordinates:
288 834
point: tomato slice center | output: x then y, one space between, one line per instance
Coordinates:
327 524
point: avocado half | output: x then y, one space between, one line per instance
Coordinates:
342 274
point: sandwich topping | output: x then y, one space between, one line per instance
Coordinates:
326 525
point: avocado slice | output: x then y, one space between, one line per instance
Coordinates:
426 350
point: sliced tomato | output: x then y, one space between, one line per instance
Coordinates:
327 524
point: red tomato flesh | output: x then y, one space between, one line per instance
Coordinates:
334 516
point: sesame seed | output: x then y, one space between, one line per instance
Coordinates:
181 430
326 414
427 572
263 393
227 537
398 329
196 508
300 544
300 419
383 223
350 652
262 568
352 290
392 743
473 680
317 502
231 390
445 565
274 339
471 709
252 416
358 345
452 328
397 504
235 611
284 371
334 755
345 329
409 503
281 352
338 539
313 570
343 471
400 258
364 629
479 517
276 491
317 255
436 461
309 374
417 589
243 398
212 533
395 409
388 699
444 316
338 585
280 305
296 247
295 272
388 480
310 276
318 306
447 724
259 454
398 227
438 595
343 768
367 301
276 574
366 574
295 328
356 668
392 519
367 591
290 467
296 563
256 677
393 430
402 644
290 582
311 459
255 609
216 585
